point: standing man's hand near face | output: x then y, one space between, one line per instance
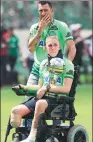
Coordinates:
43 23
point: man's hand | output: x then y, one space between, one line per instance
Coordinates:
41 92
21 86
45 21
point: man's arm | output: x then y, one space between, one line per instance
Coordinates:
62 89
71 49
34 41
32 87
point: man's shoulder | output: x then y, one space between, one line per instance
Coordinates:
34 26
60 23
69 69
68 62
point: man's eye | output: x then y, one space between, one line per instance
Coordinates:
40 10
55 44
45 10
50 45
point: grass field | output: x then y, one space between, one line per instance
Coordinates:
83 105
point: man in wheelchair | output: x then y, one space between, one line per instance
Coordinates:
56 76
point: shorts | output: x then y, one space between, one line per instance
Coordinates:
30 104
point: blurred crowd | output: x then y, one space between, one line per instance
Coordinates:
10 52
84 54
21 14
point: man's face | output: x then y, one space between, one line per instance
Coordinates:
10 32
52 46
45 10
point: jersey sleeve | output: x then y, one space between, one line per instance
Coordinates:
42 69
69 69
40 72
66 32
33 31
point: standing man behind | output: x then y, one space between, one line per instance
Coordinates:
46 26
13 52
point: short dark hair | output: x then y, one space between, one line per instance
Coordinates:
42 2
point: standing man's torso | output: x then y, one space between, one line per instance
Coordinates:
57 28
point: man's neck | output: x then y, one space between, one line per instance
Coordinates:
51 22
59 55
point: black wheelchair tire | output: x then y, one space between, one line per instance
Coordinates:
77 129
16 139
49 140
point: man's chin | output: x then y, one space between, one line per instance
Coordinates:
53 54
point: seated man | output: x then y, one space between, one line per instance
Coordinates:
56 75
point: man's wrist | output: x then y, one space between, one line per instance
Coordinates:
39 32
48 87
38 35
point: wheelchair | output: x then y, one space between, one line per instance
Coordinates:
63 109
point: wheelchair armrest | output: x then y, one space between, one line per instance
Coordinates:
21 92
63 97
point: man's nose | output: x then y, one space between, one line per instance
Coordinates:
52 47
43 13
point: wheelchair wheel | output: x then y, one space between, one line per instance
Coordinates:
52 139
16 139
77 133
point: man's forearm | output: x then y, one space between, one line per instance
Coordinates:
71 49
59 89
30 87
72 53
33 42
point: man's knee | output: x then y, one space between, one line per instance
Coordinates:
41 104
15 120
15 110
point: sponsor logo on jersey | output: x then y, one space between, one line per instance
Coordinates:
42 43
56 80
59 80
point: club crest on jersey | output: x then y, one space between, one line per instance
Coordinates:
42 43
54 27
